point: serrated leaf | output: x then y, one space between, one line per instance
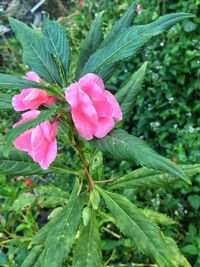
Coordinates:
19 163
15 132
91 43
145 235
35 54
13 82
58 235
127 95
144 178
88 249
128 147
123 23
32 256
128 42
158 218
181 260
76 189
57 43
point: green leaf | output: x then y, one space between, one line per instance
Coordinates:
190 250
57 43
23 201
128 42
88 249
145 235
13 82
32 257
123 23
91 43
35 54
189 26
17 163
181 260
144 178
4 261
14 132
5 101
58 235
128 147
127 95
95 199
86 215
51 196
194 201
158 218
96 166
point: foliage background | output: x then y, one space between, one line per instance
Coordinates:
166 114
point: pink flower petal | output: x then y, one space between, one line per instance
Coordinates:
31 75
117 113
49 130
92 78
71 95
86 107
105 125
27 116
23 142
50 100
83 126
103 108
50 155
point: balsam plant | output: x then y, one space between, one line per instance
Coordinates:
47 54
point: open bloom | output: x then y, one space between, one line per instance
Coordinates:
31 98
39 142
94 109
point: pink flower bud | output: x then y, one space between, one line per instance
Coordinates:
139 9
20 178
31 98
39 142
94 109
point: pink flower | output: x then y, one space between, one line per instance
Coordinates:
139 9
81 2
31 98
94 109
39 142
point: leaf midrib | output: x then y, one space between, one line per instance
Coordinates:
32 46
116 51
89 240
134 223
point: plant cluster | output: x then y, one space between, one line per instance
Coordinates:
83 110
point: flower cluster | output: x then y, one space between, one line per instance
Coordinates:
39 142
94 111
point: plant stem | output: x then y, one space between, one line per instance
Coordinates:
85 164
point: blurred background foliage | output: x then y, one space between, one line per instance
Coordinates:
167 115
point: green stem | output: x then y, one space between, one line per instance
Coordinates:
85 164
